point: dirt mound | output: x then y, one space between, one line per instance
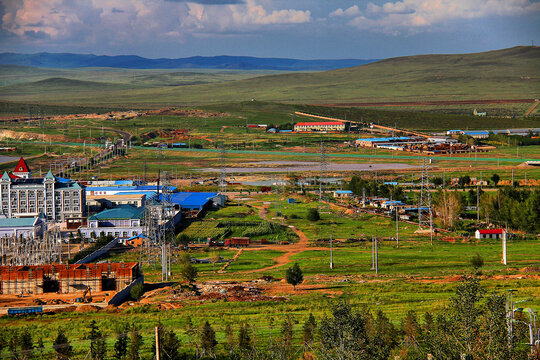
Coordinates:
64 310
530 269
87 309
185 112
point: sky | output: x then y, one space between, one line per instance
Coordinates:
302 29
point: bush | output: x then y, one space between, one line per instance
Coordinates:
137 291
477 261
313 215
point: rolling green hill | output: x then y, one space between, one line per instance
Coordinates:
507 73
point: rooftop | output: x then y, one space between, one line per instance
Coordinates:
385 139
319 123
123 212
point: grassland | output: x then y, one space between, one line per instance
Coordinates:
443 77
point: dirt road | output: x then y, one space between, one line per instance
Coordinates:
290 250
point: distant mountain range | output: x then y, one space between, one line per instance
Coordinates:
69 60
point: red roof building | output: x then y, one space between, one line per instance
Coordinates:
489 233
21 169
319 126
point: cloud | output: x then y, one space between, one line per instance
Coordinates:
352 11
412 16
210 2
136 21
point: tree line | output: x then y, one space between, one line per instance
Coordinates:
473 326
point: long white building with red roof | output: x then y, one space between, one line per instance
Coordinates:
319 126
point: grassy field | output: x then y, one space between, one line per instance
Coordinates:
443 77
416 276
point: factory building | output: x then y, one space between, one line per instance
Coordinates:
23 196
67 279
319 126
375 142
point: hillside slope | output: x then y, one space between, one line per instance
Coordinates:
507 73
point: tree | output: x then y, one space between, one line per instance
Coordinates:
121 344
135 343
495 179
464 180
343 336
97 342
494 329
476 261
214 258
189 273
294 275
287 336
308 331
183 239
168 345
61 346
313 215
137 291
229 333
26 345
208 339
448 205
437 181
244 337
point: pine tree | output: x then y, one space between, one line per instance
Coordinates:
308 331
121 344
208 339
244 337
97 342
135 343
230 338
62 346
189 273
27 344
294 275
287 336
169 345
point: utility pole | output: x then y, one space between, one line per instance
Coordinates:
331 252
157 343
504 259
376 256
397 228
372 253
477 203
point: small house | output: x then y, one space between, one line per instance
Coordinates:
343 193
489 233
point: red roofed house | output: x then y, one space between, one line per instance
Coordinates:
319 126
489 234
22 170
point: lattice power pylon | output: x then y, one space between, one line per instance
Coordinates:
323 160
425 211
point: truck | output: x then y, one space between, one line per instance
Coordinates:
237 241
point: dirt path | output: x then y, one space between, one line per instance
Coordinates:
290 250
531 109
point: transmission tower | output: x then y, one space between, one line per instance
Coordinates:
425 212
222 171
323 169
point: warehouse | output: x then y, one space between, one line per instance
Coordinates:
375 142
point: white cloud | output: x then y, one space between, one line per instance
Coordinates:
352 11
117 21
412 16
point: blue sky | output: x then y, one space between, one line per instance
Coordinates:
305 29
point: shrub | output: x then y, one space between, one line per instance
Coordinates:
137 291
313 215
